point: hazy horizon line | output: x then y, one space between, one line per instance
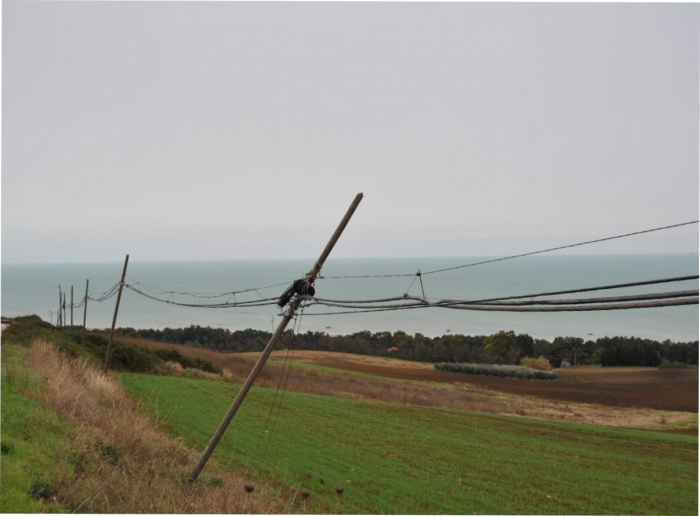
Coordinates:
313 259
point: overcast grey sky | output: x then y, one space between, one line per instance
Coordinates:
180 131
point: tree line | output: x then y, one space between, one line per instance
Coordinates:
504 347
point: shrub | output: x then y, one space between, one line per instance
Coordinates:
540 363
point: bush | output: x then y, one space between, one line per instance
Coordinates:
540 363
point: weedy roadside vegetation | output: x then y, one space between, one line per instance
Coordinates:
125 355
74 440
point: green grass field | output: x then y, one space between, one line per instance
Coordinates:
33 442
404 459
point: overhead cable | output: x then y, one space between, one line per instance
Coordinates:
509 303
561 247
512 256
336 302
246 304
204 295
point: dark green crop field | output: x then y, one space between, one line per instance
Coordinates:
403 459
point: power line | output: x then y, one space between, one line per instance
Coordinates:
246 304
502 304
587 289
591 300
579 307
106 295
416 302
496 308
512 256
203 295
348 303
561 247
409 302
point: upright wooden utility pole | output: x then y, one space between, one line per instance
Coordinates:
82 338
60 300
64 310
114 319
71 306
309 278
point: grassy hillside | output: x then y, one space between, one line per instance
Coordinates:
402 459
32 437
74 441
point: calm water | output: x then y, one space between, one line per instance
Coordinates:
33 289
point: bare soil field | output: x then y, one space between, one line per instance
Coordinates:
660 389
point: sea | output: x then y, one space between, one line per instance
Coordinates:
34 289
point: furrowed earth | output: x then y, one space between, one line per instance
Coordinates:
661 389
659 399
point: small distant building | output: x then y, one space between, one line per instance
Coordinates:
392 350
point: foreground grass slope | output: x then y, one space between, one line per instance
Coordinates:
74 441
33 438
401 459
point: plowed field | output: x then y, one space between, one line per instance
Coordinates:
661 389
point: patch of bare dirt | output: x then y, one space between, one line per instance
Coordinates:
659 389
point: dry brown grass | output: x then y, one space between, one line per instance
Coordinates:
121 462
540 363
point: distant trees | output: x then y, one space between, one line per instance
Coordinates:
504 347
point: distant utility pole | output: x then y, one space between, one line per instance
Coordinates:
116 310
82 338
64 310
58 314
309 280
71 306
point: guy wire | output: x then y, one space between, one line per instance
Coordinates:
284 389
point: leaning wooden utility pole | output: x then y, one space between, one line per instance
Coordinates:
309 279
82 338
114 319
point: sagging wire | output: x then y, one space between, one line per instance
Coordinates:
171 300
406 302
202 295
